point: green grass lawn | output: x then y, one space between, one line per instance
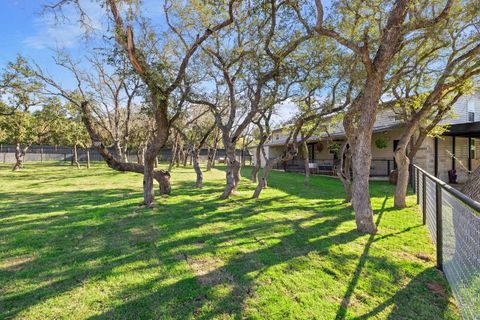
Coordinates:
75 244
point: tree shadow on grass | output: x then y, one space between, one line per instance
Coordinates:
417 301
204 258
95 236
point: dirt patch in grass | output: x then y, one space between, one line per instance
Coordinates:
438 289
423 256
16 264
209 271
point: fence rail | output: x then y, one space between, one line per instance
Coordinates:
378 167
62 153
453 221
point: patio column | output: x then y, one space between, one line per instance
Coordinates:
436 157
469 154
453 153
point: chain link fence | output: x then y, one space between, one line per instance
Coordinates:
453 220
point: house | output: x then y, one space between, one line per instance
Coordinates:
458 148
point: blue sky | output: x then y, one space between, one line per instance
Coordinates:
33 35
19 19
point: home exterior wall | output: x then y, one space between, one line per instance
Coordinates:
425 157
461 109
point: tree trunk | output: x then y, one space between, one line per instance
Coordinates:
358 123
148 192
289 154
141 156
125 152
156 162
19 157
88 158
75 156
197 168
185 157
41 153
231 173
162 177
214 156
403 162
361 155
258 163
209 160
118 150
177 156
173 154
343 170
306 180
262 183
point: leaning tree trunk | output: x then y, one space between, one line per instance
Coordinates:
472 186
196 167
262 183
258 156
288 155
161 176
403 160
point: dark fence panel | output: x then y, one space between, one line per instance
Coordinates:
453 220
62 153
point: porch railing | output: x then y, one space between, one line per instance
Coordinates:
378 167
453 221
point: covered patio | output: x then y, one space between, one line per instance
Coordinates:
469 132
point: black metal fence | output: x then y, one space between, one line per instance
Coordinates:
61 153
453 220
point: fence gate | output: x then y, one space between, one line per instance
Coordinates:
453 220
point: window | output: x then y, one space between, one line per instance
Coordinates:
471 110
471 116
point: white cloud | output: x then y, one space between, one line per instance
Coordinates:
66 33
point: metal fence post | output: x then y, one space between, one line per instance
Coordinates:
438 210
417 185
424 197
410 177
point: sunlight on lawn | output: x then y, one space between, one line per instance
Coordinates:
76 244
